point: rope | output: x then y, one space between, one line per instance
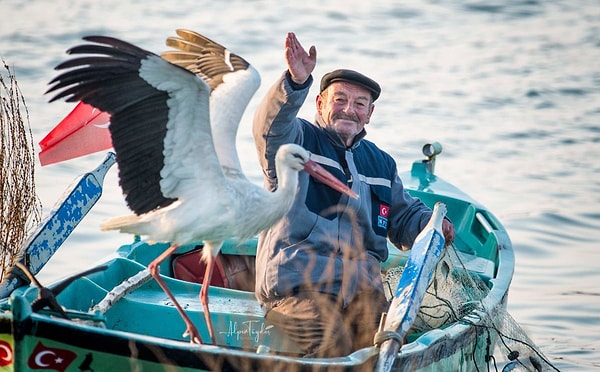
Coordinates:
118 292
382 336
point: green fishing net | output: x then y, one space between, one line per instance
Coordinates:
455 292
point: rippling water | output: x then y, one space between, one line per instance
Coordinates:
510 88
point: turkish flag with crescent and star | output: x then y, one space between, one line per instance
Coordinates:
6 353
384 210
44 357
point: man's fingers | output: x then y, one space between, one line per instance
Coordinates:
313 53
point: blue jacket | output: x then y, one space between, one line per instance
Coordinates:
328 241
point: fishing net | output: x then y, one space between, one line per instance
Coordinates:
20 208
453 293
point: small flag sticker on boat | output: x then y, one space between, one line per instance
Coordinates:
6 353
44 357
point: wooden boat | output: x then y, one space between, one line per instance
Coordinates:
109 328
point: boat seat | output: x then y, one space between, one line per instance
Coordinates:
231 271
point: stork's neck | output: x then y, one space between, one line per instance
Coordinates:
287 185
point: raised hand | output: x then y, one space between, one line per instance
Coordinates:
300 63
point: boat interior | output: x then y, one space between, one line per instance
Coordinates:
238 318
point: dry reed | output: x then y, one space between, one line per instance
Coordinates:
20 208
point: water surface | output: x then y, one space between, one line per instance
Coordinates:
510 88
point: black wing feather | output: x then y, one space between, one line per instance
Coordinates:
108 79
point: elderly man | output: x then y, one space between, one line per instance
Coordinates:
318 273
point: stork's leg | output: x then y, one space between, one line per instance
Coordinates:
210 265
154 269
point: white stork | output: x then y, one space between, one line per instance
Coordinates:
182 180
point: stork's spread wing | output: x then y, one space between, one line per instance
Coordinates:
233 81
203 57
159 118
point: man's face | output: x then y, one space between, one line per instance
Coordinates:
346 108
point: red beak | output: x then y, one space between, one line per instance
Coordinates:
320 173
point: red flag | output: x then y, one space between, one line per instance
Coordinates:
83 131
44 357
6 353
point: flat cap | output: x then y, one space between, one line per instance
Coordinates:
352 77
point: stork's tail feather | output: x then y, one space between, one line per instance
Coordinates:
125 224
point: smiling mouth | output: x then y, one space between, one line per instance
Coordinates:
346 118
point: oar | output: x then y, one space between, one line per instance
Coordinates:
44 241
424 257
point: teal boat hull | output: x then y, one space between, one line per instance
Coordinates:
142 330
